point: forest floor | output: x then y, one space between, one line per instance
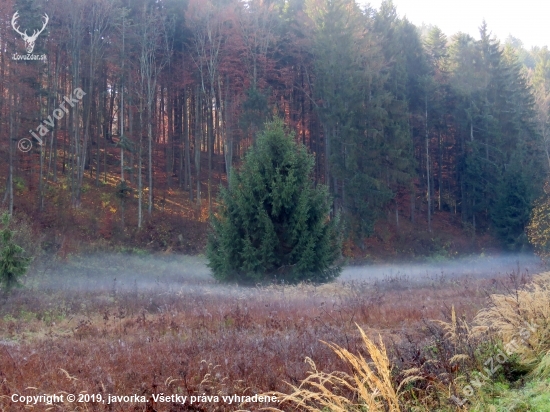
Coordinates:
180 225
118 324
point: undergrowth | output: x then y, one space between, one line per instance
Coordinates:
179 332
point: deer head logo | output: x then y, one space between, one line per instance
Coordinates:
29 40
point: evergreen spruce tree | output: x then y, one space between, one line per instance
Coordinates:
494 118
255 111
273 224
512 208
13 263
362 106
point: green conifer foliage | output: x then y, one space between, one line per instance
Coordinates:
273 224
255 111
511 211
13 263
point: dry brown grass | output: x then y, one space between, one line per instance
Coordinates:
202 338
369 385
522 319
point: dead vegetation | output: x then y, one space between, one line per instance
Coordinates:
521 318
369 385
201 338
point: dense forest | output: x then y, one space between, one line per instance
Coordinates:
151 98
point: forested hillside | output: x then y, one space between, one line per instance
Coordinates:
143 107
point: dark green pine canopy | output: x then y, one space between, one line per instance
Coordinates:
273 224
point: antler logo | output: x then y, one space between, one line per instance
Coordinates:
29 40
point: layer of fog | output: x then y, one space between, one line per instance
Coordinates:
131 273
475 266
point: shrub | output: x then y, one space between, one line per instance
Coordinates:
273 224
13 263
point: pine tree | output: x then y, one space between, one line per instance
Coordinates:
541 84
495 122
13 263
255 111
511 212
273 225
367 147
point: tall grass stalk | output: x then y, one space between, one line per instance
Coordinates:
522 317
369 386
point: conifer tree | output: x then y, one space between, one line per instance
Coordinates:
13 263
495 119
511 211
367 150
273 224
255 111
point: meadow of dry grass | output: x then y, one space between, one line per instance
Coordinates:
130 325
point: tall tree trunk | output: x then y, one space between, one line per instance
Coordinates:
198 137
52 158
210 144
413 201
178 108
121 132
13 99
228 148
140 185
439 174
188 175
150 156
131 135
429 195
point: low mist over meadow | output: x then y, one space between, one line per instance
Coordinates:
89 324
189 274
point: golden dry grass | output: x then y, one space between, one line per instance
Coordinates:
522 319
369 385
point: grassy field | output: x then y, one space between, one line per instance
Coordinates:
125 325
